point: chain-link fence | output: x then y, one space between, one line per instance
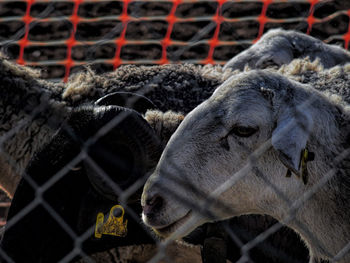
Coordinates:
81 193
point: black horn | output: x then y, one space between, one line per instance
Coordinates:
127 99
125 148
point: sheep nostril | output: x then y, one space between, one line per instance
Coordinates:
153 205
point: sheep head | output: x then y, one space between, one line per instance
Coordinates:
100 151
230 155
279 47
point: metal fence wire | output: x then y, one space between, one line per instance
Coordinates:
70 206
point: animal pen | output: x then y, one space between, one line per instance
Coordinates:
61 38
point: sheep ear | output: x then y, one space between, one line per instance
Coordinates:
130 100
290 137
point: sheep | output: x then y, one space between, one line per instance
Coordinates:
279 47
83 192
238 146
170 87
23 126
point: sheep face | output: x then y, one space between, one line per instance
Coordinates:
223 150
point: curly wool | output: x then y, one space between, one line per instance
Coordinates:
164 124
333 82
170 87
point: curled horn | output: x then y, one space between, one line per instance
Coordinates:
127 99
125 153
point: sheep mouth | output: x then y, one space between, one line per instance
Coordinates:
165 231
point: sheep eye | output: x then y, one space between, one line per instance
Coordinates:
242 131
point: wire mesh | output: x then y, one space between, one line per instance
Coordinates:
155 33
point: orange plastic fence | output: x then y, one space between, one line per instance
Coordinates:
171 19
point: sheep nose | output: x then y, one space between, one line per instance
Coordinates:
153 205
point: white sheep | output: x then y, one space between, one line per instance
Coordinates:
279 47
231 154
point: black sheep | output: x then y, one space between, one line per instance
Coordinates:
62 211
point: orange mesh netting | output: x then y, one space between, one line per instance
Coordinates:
223 28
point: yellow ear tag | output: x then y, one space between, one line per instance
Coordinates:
114 225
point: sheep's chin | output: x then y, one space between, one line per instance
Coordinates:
167 230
